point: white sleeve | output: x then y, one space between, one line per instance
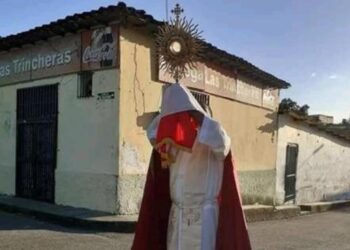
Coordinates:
152 128
215 137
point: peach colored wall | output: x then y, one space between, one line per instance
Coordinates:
252 128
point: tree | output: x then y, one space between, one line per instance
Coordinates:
288 105
346 122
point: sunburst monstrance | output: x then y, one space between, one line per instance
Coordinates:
179 45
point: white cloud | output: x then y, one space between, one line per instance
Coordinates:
333 76
313 74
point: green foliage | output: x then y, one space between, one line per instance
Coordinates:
346 122
288 105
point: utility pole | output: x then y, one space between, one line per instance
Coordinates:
167 10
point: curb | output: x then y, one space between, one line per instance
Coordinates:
94 220
320 207
253 213
264 213
85 223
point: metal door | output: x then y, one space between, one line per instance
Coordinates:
37 110
290 172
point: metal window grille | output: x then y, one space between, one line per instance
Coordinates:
85 84
202 98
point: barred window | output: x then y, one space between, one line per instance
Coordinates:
85 84
203 99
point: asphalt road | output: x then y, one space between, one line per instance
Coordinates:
322 231
325 231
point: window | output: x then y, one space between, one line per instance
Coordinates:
203 100
85 84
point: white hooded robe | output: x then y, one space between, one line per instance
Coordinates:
195 177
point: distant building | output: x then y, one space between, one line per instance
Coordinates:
320 119
76 96
313 160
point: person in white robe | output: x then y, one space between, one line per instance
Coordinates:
195 177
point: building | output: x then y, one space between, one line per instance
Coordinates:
76 96
313 162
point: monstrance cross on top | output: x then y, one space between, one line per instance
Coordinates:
177 11
179 45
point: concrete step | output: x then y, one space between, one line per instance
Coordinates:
69 216
262 212
317 207
78 217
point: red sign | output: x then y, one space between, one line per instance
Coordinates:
100 48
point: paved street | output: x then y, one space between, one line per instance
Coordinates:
323 231
319 231
19 233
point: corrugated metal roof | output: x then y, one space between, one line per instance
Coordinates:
125 15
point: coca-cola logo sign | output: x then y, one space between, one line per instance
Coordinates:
100 48
104 53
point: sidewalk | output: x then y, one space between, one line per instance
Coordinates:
69 216
255 213
318 207
78 217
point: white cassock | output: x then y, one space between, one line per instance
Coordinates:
195 182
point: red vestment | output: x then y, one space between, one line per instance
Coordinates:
177 131
151 230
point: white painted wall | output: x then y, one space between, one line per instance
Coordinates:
323 170
87 161
87 140
8 140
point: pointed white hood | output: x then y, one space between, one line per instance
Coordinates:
178 98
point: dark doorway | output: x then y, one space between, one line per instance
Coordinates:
290 172
37 110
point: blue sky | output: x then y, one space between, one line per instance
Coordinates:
305 42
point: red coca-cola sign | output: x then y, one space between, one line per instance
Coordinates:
100 48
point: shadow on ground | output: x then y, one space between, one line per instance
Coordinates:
9 221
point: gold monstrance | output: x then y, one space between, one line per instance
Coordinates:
179 44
